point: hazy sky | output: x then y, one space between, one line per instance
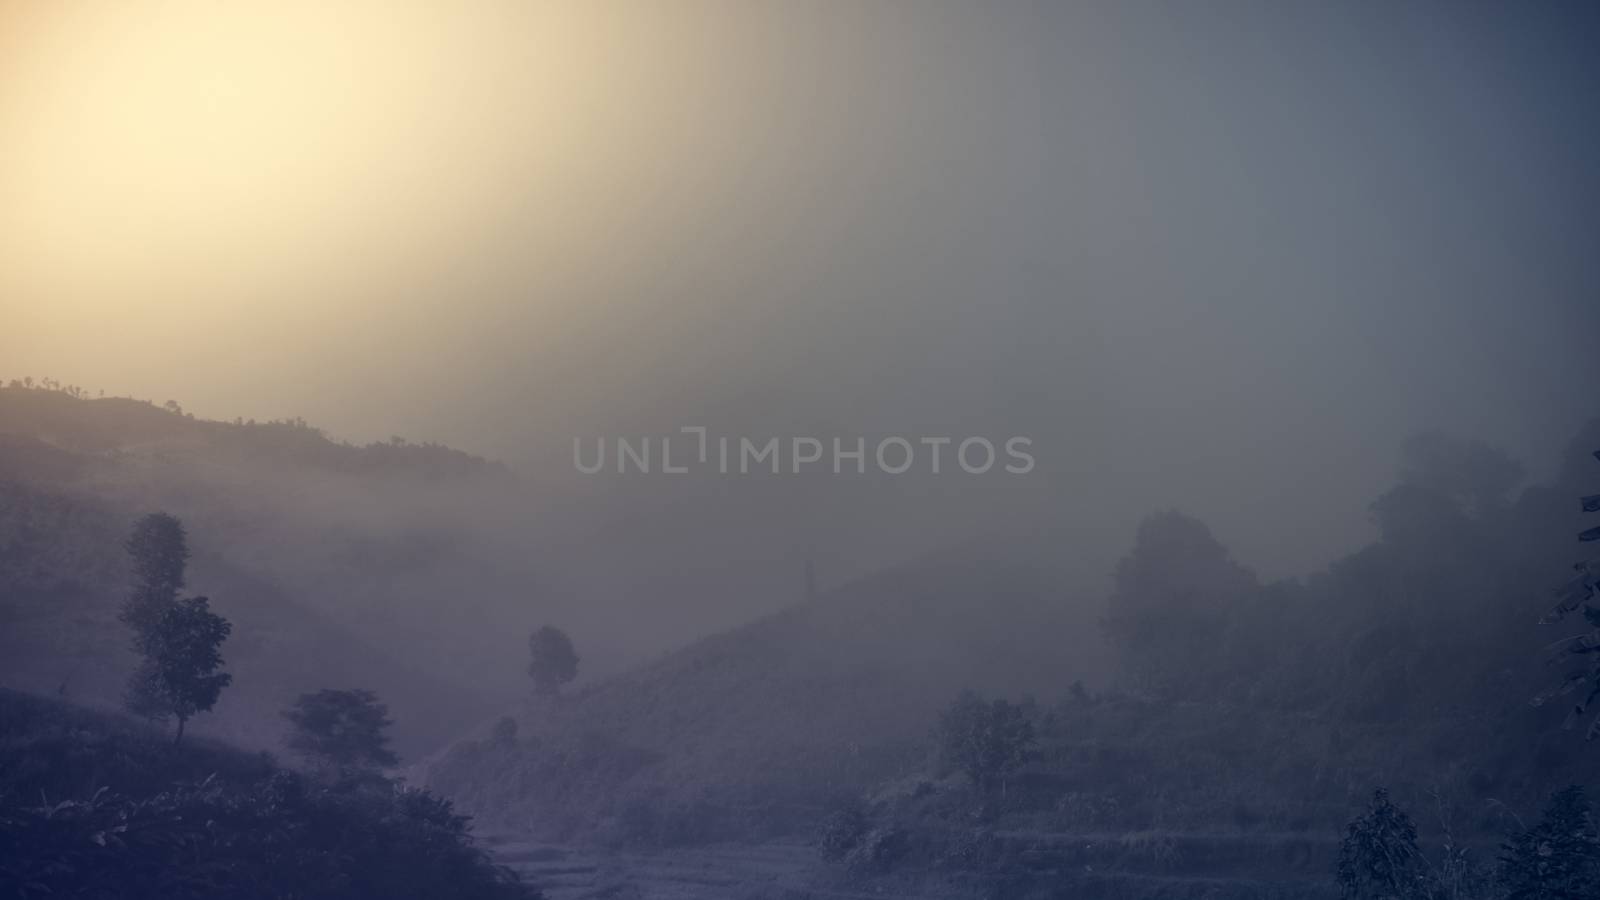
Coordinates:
1221 256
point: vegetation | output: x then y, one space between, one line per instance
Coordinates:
1580 593
341 731
179 676
284 545
179 641
986 741
1171 604
1379 859
79 425
1246 722
159 549
552 662
203 821
1557 859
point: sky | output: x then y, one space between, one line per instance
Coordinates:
1224 257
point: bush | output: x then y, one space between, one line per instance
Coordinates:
841 831
1558 859
1378 859
877 850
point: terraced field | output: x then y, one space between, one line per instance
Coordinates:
1067 866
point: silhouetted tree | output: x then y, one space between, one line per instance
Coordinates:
552 661
1169 610
1581 592
179 642
1558 859
1476 476
342 730
182 658
1379 859
986 741
160 553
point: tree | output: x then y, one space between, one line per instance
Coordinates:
160 552
342 730
179 642
1477 477
552 661
1581 592
1558 859
986 741
182 658
1169 611
1379 859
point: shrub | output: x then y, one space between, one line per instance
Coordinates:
841 831
1378 859
1558 859
877 850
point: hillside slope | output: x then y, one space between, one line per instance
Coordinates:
100 805
307 589
814 702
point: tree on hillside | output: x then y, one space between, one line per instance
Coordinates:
159 551
178 641
1170 606
341 730
1477 477
986 741
180 673
552 662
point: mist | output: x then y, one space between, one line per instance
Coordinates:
1224 259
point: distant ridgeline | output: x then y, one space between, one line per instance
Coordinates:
68 417
326 556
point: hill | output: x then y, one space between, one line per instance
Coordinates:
767 723
306 586
96 805
1248 722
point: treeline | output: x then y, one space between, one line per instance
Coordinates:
1425 661
288 439
1439 616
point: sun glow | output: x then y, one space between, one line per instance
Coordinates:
180 160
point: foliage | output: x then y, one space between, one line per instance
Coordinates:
97 806
1581 592
986 741
341 730
552 661
160 553
1558 859
1478 477
1168 612
179 641
1379 859
841 831
182 658
877 850
279 837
